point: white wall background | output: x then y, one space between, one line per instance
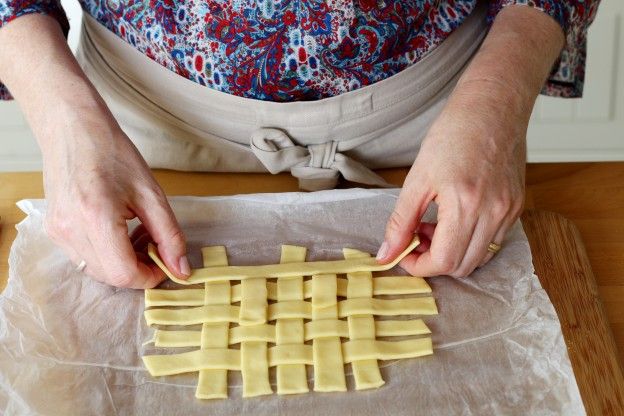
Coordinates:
591 128
587 129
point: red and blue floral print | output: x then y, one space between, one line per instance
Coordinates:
288 50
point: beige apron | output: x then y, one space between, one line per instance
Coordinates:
179 124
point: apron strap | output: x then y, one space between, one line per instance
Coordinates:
317 166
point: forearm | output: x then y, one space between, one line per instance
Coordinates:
512 64
54 87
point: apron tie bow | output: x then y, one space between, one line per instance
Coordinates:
317 166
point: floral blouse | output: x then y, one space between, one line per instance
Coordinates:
287 50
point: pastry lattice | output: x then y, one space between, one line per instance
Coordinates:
290 323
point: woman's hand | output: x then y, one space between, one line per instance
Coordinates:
472 164
94 178
472 161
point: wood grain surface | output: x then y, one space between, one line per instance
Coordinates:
591 195
565 273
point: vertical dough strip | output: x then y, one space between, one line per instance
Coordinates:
254 354
362 327
291 378
212 384
327 351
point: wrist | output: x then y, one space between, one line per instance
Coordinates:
485 109
76 125
58 115
492 100
506 75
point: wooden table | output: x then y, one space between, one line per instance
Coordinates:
560 261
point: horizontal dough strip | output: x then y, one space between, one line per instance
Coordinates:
364 349
293 309
387 307
312 329
223 273
221 358
385 285
192 316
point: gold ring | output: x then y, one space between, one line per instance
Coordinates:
494 248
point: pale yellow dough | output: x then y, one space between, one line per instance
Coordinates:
384 285
275 334
290 269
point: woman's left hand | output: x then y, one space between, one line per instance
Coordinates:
472 164
472 161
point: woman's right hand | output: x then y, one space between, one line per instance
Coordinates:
94 178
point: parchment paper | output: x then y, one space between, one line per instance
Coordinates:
69 345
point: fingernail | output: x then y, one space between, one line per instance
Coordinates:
383 251
185 267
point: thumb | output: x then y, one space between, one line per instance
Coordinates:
403 222
164 229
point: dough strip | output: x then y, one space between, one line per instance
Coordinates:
223 273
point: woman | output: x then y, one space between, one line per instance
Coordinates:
319 88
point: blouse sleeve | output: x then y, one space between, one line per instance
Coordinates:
12 9
574 16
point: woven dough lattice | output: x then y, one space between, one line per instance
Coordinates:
323 321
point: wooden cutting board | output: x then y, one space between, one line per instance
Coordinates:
563 268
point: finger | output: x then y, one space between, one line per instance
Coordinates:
140 238
145 259
73 255
140 244
138 231
75 243
498 238
112 246
91 264
483 235
78 249
425 234
511 216
448 245
162 225
92 267
403 221
408 262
